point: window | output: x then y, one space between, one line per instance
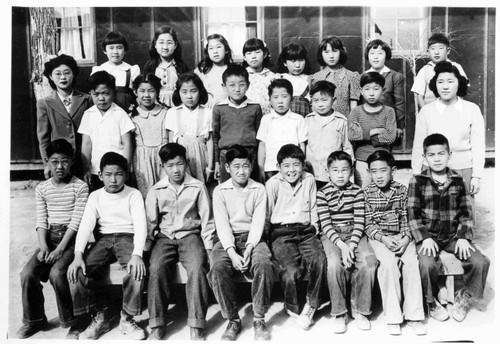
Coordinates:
75 33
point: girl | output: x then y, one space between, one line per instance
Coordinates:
377 52
217 56
150 135
189 123
332 55
256 58
115 46
294 66
166 61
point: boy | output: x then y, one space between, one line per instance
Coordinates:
239 211
118 211
438 47
349 256
387 226
59 207
440 218
235 120
372 125
326 130
278 128
178 208
292 215
105 128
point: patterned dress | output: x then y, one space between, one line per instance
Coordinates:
300 101
258 88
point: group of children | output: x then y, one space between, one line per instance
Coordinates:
284 149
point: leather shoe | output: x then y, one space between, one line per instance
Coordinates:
232 330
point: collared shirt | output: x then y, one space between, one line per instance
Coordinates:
119 72
444 214
183 121
337 207
386 214
277 130
299 82
178 213
68 107
292 204
384 69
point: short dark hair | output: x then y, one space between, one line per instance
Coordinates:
58 61
293 51
323 86
102 78
379 43
435 139
438 37
238 152
147 78
369 77
59 146
280 83
171 150
338 156
114 37
236 70
335 43
290 151
448 67
381 155
254 44
187 77
113 158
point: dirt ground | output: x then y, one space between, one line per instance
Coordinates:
478 326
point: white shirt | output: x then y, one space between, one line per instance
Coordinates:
299 83
192 124
119 72
62 100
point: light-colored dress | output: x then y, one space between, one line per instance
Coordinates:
168 76
257 91
213 83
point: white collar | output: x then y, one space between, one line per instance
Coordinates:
63 98
124 66
385 69
458 105
145 113
226 101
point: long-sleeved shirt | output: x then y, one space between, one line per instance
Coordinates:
178 213
239 211
361 122
386 214
442 213
121 212
337 207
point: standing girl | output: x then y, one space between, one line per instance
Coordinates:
332 55
294 66
189 123
217 56
150 135
166 61
257 60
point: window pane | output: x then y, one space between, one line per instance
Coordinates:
251 13
385 12
409 12
409 35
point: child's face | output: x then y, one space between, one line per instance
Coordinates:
190 94
255 58
280 100
340 172
295 67
236 87
62 77
438 52
240 170
60 165
115 53
216 51
165 45
102 97
447 86
381 173
175 169
291 169
113 177
146 95
376 58
331 56
372 93
437 157
322 103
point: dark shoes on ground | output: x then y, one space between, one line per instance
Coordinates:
232 330
27 330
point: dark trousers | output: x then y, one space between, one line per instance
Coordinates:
87 291
35 272
164 257
298 250
475 271
221 273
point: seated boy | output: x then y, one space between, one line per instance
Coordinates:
350 258
440 218
59 207
240 212
387 226
293 218
178 208
118 211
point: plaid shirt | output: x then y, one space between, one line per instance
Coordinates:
442 215
386 214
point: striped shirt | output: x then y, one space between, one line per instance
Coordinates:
62 206
386 214
338 207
